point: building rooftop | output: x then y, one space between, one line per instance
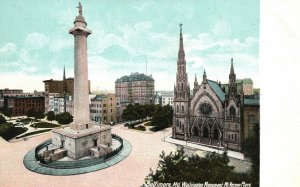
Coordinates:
134 77
245 81
254 101
25 97
99 97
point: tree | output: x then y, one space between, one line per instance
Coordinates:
251 150
129 113
162 116
149 108
39 115
7 111
2 119
30 113
64 118
50 116
178 167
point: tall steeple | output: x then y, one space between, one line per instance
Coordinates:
181 53
232 80
64 76
231 68
181 78
204 77
181 102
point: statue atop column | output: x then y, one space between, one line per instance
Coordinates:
79 9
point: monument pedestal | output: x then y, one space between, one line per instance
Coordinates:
77 143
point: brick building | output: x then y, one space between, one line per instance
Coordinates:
135 88
21 104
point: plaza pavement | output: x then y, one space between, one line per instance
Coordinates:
130 172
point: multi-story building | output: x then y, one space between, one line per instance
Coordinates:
7 91
214 115
103 108
164 98
62 87
245 84
21 104
56 104
135 88
59 104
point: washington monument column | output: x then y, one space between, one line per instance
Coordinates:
81 90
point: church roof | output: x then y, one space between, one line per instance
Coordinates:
251 101
135 77
217 89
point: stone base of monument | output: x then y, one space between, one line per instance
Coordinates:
35 162
92 141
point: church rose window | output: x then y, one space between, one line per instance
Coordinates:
205 108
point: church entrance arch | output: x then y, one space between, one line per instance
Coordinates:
195 131
216 134
205 132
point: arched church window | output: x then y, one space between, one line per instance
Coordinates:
229 136
232 111
182 109
177 110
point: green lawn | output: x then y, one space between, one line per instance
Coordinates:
12 132
148 124
25 120
44 125
35 132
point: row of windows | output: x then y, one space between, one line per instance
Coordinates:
182 109
231 137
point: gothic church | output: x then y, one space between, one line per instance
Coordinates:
211 116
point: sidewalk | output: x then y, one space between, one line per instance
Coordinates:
232 154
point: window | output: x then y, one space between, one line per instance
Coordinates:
232 111
251 118
177 109
182 108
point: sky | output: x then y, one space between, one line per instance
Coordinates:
35 44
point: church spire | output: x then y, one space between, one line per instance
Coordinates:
64 76
232 79
231 69
181 53
204 77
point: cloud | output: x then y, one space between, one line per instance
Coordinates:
36 41
7 50
29 83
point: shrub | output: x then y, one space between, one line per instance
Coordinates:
141 128
2 119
